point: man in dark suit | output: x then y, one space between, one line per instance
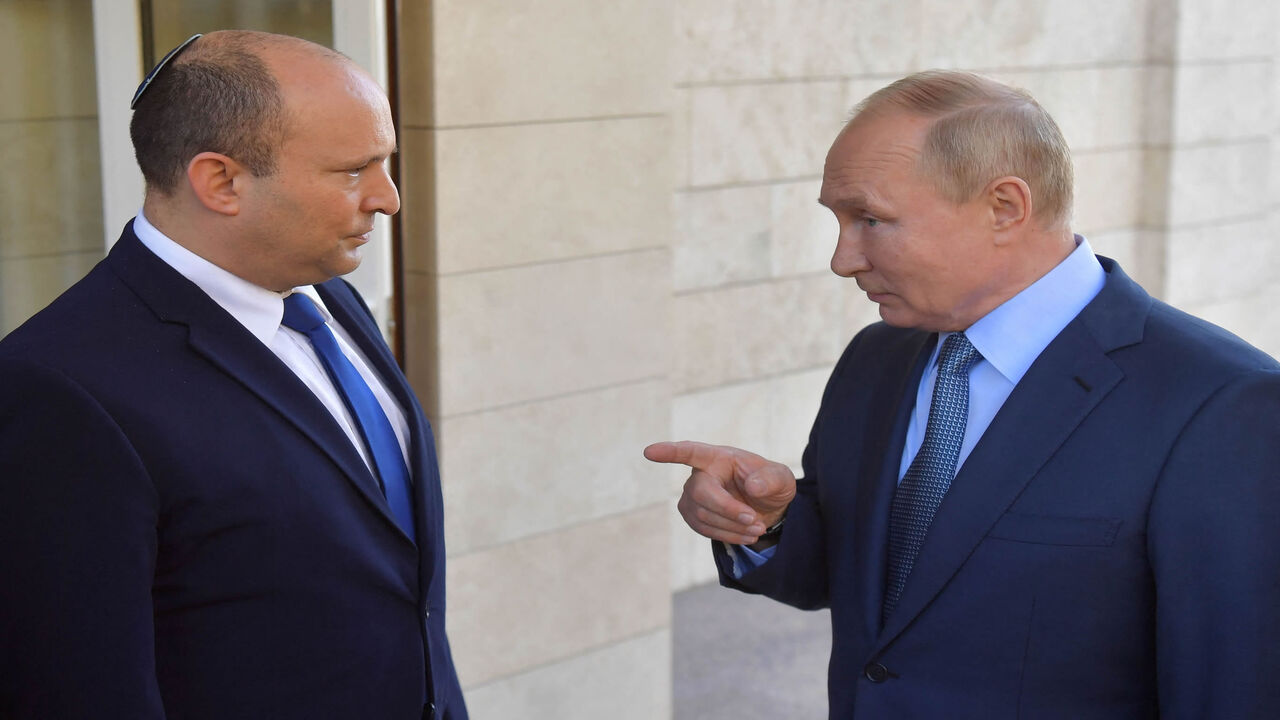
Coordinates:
218 494
1033 491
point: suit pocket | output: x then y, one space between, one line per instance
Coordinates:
1056 530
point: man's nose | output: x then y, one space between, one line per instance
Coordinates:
849 258
381 195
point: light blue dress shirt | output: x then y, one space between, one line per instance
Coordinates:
1010 339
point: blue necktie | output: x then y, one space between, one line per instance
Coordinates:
929 476
301 314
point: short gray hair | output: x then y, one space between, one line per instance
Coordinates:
982 130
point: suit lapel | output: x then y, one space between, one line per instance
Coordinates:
895 398
422 463
224 342
1062 387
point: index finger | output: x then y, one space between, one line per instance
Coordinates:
696 455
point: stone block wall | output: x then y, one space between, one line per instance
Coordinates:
536 221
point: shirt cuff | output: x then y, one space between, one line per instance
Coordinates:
745 559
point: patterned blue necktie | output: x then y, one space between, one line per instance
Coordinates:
929 476
301 314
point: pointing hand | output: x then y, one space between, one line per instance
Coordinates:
731 495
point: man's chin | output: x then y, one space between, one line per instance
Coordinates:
895 317
348 263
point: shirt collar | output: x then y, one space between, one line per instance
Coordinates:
1014 334
258 309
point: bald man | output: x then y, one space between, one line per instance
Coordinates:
219 497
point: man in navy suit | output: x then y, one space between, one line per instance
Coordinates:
1033 491
206 513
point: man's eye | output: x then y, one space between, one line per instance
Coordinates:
870 221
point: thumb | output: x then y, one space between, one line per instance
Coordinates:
770 488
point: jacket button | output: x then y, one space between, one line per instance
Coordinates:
876 673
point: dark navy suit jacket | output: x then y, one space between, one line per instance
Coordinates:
186 532
1110 549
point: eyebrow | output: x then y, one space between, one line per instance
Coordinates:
852 202
363 161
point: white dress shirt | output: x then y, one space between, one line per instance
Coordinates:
260 310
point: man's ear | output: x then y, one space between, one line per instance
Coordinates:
1009 199
216 180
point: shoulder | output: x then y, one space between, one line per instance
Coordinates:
1202 344
1150 338
881 345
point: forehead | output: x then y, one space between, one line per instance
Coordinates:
337 110
872 155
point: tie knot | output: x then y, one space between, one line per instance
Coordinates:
958 355
301 314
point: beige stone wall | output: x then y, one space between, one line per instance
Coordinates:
536 139
1218 219
50 201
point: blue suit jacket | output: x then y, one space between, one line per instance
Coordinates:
1110 549
186 532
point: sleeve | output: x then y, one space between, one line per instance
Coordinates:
795 572
78 517
1214 544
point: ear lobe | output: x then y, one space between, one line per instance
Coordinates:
1010 202
214 181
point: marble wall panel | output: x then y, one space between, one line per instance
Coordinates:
547 598
1220 29
1010 34
1223 101
530 468
729 40
762 132
743 332
1220 262
530 193
539 331
499 62
1109 190
1252 317
721 236
1210 183
736 415
681 149
627 681
770 416
803 232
